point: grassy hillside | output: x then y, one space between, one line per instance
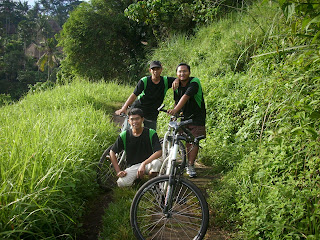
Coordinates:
50 143
261 83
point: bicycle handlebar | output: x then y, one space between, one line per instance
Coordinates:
161 108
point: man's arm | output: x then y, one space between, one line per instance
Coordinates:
184 99
116 165
142 167
129 102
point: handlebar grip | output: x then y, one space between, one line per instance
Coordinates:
161 108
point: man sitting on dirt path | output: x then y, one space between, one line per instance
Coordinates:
142 148
150 92
189 99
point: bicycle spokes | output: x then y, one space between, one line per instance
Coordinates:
184 218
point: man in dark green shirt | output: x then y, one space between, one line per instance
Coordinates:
142 148
189 99
149 94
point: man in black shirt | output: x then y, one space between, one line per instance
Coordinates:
189 99
142 148
149 94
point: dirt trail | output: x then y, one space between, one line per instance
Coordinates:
203 180
92 221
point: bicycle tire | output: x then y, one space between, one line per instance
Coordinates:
181 157
188 218
106 175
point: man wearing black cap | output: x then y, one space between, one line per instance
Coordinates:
149 94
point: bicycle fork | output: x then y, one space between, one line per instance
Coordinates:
169 187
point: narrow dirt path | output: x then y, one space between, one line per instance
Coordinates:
203 180
92 220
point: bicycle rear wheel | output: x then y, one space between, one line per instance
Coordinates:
106 175
187 219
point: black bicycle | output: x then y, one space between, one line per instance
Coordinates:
170 206
106 175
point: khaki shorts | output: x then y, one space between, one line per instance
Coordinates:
132 171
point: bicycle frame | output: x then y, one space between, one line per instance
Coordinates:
165 206
174 131
125 126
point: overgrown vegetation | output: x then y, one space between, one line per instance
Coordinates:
110 39
50 143
118 213
260 71
27 36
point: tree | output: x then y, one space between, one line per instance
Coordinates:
21 26
166 17
50 56
100 42
58 9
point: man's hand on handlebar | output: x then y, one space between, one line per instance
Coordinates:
120 111
173 112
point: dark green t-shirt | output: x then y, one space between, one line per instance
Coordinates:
195 107
139 148
150 96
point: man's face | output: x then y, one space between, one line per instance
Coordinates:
135 121
183 73
155 72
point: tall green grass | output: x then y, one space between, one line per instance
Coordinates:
50 142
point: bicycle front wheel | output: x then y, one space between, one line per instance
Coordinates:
186 219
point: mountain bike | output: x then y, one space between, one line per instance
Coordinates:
106 175
170 206
167 144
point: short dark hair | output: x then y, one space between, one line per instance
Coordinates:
135 111
183 64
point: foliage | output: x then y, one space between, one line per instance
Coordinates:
260 75
59 10
166 17
50 143
50 56
100 42
23 27
5 99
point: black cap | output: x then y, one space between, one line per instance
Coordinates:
154 64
